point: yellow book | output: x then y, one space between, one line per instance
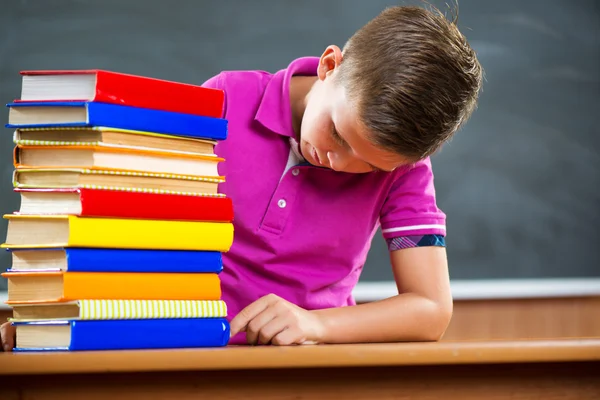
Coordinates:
119 309
46 231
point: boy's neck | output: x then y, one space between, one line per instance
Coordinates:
300 87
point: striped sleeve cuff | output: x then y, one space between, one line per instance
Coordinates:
407 242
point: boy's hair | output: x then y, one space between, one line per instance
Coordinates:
413 78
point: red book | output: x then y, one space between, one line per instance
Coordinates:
85 202
123 89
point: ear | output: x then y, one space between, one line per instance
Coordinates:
329 61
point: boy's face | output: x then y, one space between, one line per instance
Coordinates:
331 134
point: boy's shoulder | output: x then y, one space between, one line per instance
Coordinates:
236 79
239 78
244 91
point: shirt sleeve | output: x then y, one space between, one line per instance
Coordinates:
217 82
410 216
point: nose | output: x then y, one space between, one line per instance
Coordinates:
338 161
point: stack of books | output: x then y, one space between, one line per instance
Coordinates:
118 240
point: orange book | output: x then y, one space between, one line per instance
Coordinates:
39 287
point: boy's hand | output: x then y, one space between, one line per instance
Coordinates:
273 320
7 335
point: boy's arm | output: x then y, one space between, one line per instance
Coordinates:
421 312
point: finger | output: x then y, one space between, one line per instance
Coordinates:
273 328
240 321
289 336
257 323
7 332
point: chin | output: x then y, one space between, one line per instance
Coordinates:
305 151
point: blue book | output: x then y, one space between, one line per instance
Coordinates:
65 335
65 114
80 259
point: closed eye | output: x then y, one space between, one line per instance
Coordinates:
340 141
336 136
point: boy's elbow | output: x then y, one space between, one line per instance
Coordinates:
439 315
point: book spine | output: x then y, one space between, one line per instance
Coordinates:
158 121
151 309
137 260
140 286
145 92
125 204
149 334
150 234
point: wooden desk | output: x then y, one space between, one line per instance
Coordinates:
542 369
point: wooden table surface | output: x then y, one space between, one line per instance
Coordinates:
320 356
519 370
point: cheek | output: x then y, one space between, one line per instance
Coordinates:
317 134
314 128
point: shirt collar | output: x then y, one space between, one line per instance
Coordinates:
274 111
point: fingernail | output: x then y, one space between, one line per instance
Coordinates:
7 347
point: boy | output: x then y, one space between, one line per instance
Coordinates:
321 154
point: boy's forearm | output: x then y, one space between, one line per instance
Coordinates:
406 317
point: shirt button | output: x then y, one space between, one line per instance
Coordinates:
295 172
281 203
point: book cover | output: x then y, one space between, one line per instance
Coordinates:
23 115
125 204
37 287
127 89
132 334
44 231
75 259
119 309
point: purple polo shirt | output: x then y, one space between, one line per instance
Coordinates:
303 233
